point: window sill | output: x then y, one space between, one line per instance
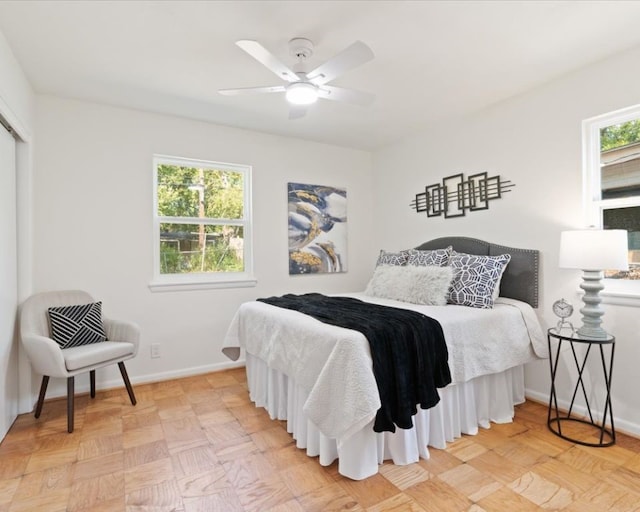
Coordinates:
621 298
185 285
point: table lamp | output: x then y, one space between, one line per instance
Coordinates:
593 251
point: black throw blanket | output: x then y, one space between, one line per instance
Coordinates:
408 349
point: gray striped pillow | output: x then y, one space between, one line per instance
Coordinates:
72 326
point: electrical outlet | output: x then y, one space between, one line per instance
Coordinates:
155 350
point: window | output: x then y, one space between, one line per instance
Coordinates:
612 179
202 224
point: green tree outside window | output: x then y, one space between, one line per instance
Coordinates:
200 210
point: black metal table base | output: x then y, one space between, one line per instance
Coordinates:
554 425
606 436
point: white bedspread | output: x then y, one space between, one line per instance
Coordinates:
333 365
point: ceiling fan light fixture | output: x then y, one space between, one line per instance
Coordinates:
302 93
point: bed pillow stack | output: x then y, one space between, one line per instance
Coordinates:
439 276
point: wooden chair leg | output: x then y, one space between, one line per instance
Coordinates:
70 403
125 378
92 381
43 390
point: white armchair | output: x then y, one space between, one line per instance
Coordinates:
50 360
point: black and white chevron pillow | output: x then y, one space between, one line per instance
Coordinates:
72 326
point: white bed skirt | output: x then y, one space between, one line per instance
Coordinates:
462 409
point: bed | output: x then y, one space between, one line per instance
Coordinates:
325 389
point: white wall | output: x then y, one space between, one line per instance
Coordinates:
93 222
16 107
535 141
16 95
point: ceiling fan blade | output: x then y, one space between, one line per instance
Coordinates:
267 59
297 111
329 92
252 90
351 57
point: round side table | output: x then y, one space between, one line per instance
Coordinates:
606 435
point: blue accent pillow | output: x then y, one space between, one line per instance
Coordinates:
475 279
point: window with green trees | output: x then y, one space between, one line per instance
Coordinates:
612 178
201 216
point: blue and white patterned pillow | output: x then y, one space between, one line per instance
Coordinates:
81 324
392 258
475 279
437 257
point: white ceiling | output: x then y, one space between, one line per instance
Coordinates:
434 59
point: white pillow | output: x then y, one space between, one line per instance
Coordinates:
418 285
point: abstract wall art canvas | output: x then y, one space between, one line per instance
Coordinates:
317 229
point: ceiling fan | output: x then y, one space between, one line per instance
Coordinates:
305 87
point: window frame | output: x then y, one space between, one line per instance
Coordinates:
617 291
203 280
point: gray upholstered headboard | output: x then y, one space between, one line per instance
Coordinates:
520 278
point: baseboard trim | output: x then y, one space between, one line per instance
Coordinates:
624 427
117 383
178 374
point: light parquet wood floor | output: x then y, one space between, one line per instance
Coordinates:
199 444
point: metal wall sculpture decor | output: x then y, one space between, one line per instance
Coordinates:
455 195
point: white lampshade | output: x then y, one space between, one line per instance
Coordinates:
594 249
302 93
